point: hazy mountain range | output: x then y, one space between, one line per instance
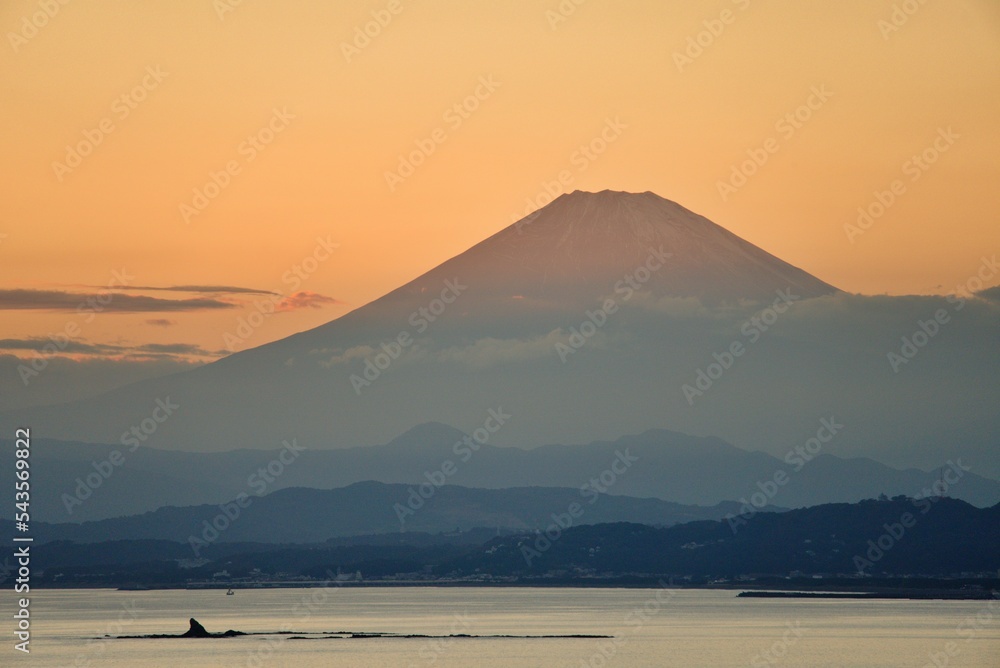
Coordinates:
668 466
298 515
898 537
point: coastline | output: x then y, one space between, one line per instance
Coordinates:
770 590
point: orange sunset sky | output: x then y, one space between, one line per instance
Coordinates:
167 92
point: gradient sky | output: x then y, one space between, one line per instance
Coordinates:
558 79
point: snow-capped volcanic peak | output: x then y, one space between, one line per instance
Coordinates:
586 241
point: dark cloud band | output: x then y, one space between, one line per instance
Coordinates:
60 300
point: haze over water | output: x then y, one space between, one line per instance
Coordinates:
678 628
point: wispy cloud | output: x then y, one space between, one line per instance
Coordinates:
61 300
489 351
306 299
340 357
211 289
177 349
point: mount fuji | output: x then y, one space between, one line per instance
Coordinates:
600 315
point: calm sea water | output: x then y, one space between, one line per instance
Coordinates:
688 628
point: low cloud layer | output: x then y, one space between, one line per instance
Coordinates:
489 352
67 379
913 378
